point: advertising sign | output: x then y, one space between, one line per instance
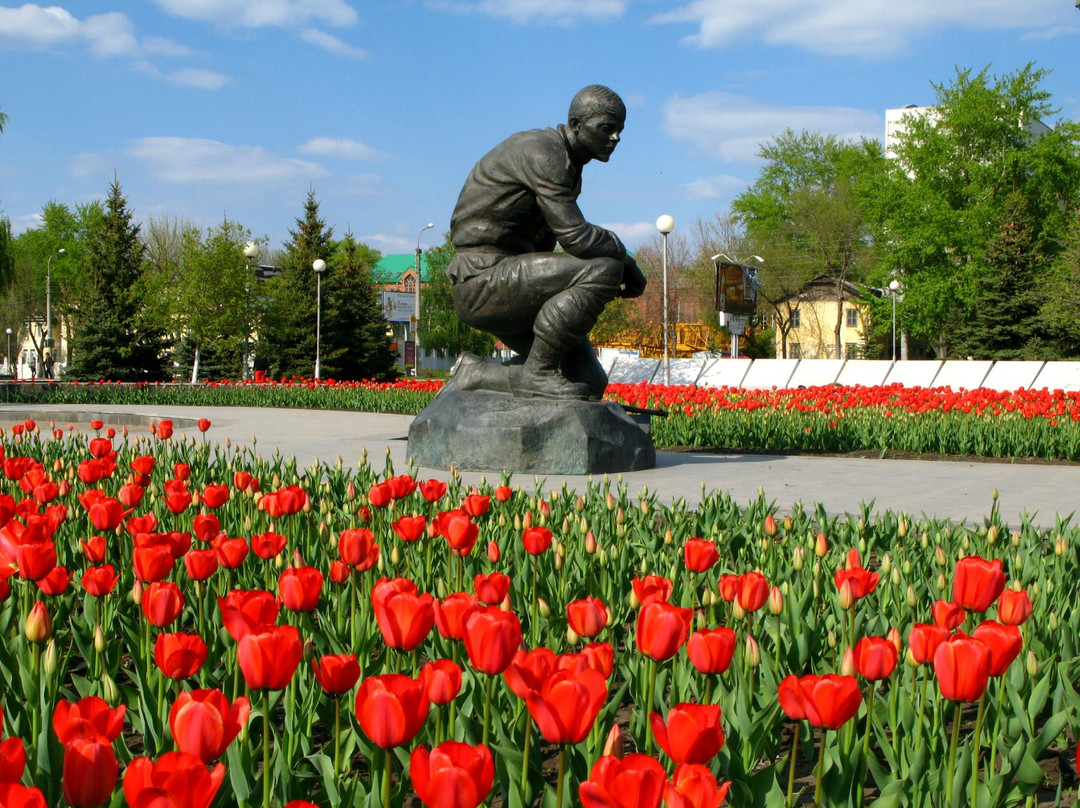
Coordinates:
736 288
398 307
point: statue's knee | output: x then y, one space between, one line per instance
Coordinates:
606 272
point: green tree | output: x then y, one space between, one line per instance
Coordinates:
807 206
963 171
287 329
112 338
441 331
1058 290
354 341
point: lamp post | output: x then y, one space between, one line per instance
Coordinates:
7 357
319 266
416 313
730 260
665 224
894 290
48 341
251 253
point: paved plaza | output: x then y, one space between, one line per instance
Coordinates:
959 491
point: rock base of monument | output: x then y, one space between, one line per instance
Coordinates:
491 432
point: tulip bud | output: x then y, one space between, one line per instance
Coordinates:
620 516
846 595
644 507
906 566
924 540
737 611
579 504
994 495
788 524
909 658
893 636
136 592
311 650
822 546
63 488
816 587
609 500
279 561
753 652
1060 546
798 558
668 537
51 658
886 564
572 637
590 543
894 576
911 600
992 535
601 556
902 528
38 623
99 640
831 639
770 526
847 663
441 588
381 562
1053 621
614 744
542 605
109 691
941 581
493 552
776 601
632 599
1031 663
560 560
506 605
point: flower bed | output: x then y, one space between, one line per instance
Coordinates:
184 619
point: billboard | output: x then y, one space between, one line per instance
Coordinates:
736 288
398 307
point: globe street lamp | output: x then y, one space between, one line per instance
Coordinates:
665 224
416 313
48 341
894 289
251 253
319 266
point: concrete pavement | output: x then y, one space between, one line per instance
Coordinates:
958 491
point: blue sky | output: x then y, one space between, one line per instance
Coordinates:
211 108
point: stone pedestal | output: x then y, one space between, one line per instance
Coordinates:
491 432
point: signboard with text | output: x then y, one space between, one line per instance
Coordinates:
398 307
736 288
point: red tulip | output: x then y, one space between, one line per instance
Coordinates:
90 772
711 649
242 480
203 723
179 656
536 539
492 637
923 640
87 718
432 490
1014 607
1004 642
200 564
528 671
243 610
401 485
299 588
503 493
162 603
176 779
357 548
410 528
700 554
391 709
587 617
269 656
692 733
379 495
230 552
567 704
450 614
458 529
268 545
491 588
143 464
55 583
12 760
16 795
861 581
599 656
131 495
336 673
662 629
476 505
875 658
753 591
404 617
206 527
204 424
178 500
652 587
635 781
442 680
94 549
214 496
962 665
107 514
977 583
164 430
947 614
825 701
693 786
452 775
153 562
339 571
36 559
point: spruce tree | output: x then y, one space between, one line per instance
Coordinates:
287 336
111 339
355 345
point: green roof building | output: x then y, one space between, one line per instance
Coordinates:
395 269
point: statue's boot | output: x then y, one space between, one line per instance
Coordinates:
540 376
472 373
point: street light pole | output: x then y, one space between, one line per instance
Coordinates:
894 289
251 253
319 266
48 341
665 224
7 358
416 313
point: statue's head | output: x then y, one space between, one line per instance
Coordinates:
596 119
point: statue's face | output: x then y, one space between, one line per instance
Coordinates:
598 135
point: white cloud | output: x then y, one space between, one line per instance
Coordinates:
632 233
200 79
321 39
546 12
262 13
92 164
160 46
111 34
342 148
733 127
871 28
196 160
717 187
38 28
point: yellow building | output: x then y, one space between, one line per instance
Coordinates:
810 329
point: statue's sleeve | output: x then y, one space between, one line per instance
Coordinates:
554 182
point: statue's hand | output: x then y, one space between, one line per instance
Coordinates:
633 280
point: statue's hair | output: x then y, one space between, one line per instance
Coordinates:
596 99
